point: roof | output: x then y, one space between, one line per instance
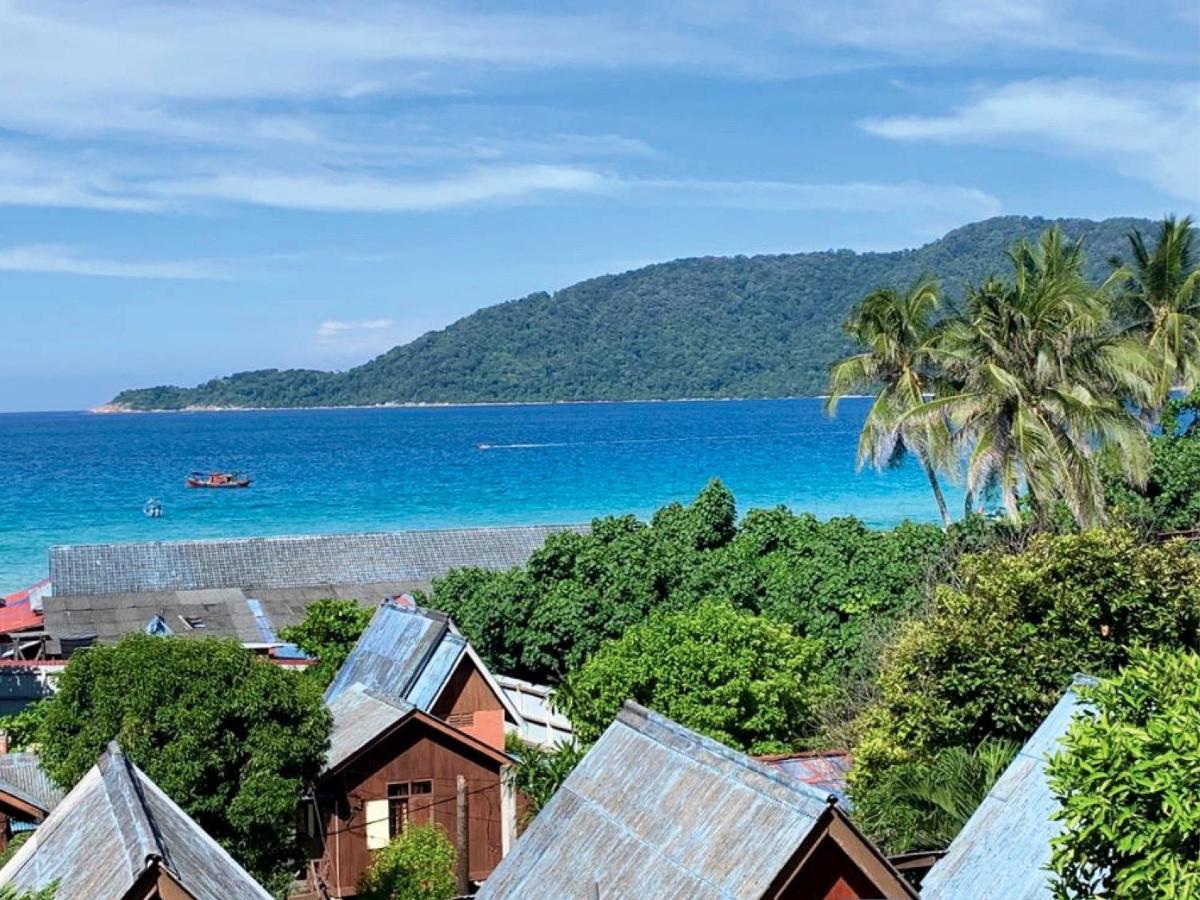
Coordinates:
826 771
361 715
251 617
414 558
409 653
21 776
110 828
19 615
1002 851
656 810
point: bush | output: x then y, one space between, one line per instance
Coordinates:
417 865
1128 780
739 678
232 739
995 653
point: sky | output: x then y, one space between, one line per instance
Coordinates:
189 189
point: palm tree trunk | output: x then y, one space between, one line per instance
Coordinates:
937 489
969 503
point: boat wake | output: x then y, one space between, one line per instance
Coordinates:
661 440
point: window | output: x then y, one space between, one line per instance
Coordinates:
408 801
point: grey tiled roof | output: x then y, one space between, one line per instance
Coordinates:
21 776
106 832
359 716
225 612
405 652
655 810
414 557
1002 851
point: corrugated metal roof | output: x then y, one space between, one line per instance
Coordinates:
825 771
109 828
1002 851
359 716
655 810
412 557
395 650
21 776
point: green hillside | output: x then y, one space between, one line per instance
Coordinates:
761 326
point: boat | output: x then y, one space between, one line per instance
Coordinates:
153 508
217 480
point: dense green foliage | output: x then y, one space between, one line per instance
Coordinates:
837 580
1128 779
417 865
22 727
736 677
921 804
709 327
539 770
328 632
232 739
8 892
996 651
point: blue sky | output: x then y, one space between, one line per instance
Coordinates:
189 189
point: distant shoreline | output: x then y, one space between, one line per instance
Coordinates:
110 409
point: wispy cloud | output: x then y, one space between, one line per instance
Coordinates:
59 260
1148 131
333 329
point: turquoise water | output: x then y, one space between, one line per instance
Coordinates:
77 477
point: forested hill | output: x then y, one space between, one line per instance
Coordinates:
760 326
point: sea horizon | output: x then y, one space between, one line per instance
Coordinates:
77 477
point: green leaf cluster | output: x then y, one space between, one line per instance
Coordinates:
837 580
538 771
328 632
738 678
231 738
417 865
998 648
1128 781
8 892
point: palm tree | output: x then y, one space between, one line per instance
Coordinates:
897 337
1163 291
1043 376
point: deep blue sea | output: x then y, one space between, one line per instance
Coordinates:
79 477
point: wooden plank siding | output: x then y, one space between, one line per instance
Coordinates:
468 703
415 752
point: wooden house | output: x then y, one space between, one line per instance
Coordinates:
117 836
655 810
414 710
27 795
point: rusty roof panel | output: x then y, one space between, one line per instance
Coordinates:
655 810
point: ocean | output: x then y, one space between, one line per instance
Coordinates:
83 478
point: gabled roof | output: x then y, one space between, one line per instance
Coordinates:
112 827
414 558
1002 851
361 716
409 653
656 810
21 777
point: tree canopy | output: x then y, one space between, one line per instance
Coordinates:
328 632
736 677
1128 781
232 739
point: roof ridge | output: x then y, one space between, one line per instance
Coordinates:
122 784
654 726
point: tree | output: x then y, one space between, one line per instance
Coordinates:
996 650
741 679
898 341
232 739
1128 783
329 632
923 804
539 771
1042 383
1163 290
417 865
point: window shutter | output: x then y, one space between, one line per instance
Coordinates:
377 824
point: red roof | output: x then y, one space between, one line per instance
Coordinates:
19 615
24 595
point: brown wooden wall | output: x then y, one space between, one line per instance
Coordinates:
468 702
416 752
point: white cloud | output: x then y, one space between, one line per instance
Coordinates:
333 192
1148 131
60 260
336 328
